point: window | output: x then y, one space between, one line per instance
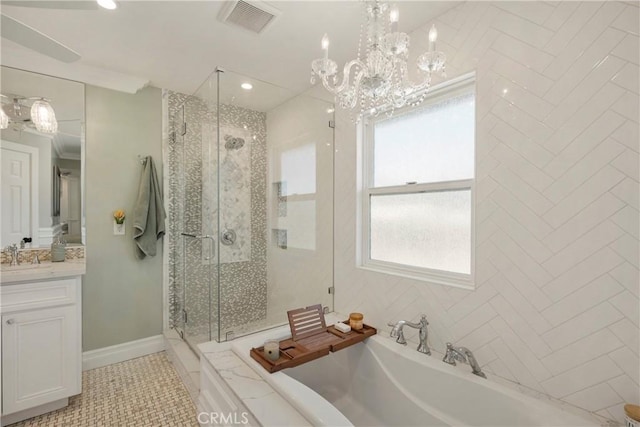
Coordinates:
418 175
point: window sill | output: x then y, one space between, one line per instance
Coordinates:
408 273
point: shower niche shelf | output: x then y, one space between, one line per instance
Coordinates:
310 340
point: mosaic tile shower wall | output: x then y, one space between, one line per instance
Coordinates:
193 203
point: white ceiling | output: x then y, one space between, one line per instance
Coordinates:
177 44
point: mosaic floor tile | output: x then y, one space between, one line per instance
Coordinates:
140 392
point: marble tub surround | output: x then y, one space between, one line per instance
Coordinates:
44 254
28 272
258 397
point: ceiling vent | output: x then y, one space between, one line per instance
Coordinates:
253 15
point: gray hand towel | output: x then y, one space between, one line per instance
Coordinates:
149 214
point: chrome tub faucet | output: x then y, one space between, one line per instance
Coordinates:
15 255
464 355
398 333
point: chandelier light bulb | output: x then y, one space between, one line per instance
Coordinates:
4 119
107 4
43 117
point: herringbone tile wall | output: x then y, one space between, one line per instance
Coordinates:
556 301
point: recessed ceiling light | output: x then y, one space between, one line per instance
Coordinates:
246 86
107 4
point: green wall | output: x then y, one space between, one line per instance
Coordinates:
122 296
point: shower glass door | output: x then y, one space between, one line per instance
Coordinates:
199 231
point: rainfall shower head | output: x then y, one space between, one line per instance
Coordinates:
233 143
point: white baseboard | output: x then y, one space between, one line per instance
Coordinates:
119 353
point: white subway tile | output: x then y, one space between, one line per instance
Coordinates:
582 325
560 16
569 98
628 276
523 76
582 273
522 29
585 246
591 36
519 348
522 167
591 61
582 351
628 106
628 333
594 293
571 25
626 388
519 333
627 191
595 110
522 191
581 377
627 304
520 304
595 398
582 169
628 49
519 51
627 247
628 163
519 210
629 135
627 78
581 197
585 220
536 12
515 253
628 20
628 361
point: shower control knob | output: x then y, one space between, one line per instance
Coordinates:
10 321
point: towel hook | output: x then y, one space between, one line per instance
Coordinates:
142 159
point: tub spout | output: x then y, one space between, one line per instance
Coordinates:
397 331
464 355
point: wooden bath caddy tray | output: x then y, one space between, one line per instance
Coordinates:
310 340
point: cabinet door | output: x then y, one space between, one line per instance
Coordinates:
40 357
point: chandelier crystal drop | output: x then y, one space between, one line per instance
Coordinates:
379 80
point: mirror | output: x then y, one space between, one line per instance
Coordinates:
42 173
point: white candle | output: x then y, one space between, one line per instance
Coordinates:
325 46
272 350
433 35
394 17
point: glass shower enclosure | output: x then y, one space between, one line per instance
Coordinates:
250 206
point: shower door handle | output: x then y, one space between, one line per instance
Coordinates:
203 237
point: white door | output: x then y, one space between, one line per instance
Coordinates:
39 357
19 193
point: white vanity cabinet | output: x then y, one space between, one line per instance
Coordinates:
41 346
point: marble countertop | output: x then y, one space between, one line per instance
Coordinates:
46 270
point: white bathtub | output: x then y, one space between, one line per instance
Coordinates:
381 383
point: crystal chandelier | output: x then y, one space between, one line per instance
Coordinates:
19 114
379 81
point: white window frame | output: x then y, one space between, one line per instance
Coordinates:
455 87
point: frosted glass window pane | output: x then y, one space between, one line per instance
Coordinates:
431 144
428 230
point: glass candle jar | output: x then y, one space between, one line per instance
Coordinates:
272 350
355 321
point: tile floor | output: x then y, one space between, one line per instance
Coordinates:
140 392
